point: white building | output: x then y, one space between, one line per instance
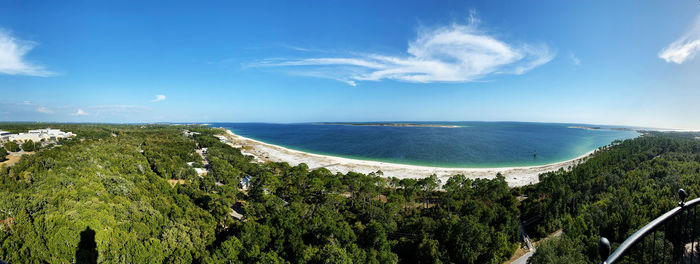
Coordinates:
200 172
245 182
51 133
39 134
25 137
4 135
189 134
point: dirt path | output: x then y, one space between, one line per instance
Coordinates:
13 158
523 258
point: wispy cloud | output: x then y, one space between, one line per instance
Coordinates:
80 112
43 109
118 108
12 57
575 60
685 47
159 97
25 110
454 53
115 110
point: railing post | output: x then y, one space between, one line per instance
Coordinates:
677 230
678 238
604 249
682 195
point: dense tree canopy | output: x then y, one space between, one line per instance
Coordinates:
613 194
3 154
126 194
113 181
28 146
12 146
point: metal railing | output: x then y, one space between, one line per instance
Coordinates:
670 238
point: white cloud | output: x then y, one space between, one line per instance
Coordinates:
80 112
12 59
574 59
455 53
685 47
159 97
43 109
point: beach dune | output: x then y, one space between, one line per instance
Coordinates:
515 176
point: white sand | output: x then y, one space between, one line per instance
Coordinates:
515 176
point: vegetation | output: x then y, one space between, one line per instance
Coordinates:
559 250
612 195
105 196
113 181
3 154
11 146
28 146
301 216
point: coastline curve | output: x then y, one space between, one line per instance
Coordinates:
515 176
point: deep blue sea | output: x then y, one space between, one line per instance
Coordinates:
471 145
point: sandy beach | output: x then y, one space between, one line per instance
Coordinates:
515 176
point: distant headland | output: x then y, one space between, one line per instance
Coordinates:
610 128
388 124
585 127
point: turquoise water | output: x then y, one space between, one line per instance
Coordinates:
470 145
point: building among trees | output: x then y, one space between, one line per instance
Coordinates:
4 135
37 135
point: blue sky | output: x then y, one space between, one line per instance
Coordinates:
598 62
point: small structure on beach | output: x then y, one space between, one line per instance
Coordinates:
237 212
187 133
200 171
223 139
245 182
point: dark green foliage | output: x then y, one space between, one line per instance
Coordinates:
12 146
28 146
614 193
559 250
3 154
315 216
168 155
479 226
113 179
49 198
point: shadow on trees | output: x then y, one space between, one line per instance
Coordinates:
86 253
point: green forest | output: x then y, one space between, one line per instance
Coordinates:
131 194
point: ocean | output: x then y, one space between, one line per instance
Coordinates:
457 144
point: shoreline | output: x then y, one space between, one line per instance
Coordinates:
515 176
